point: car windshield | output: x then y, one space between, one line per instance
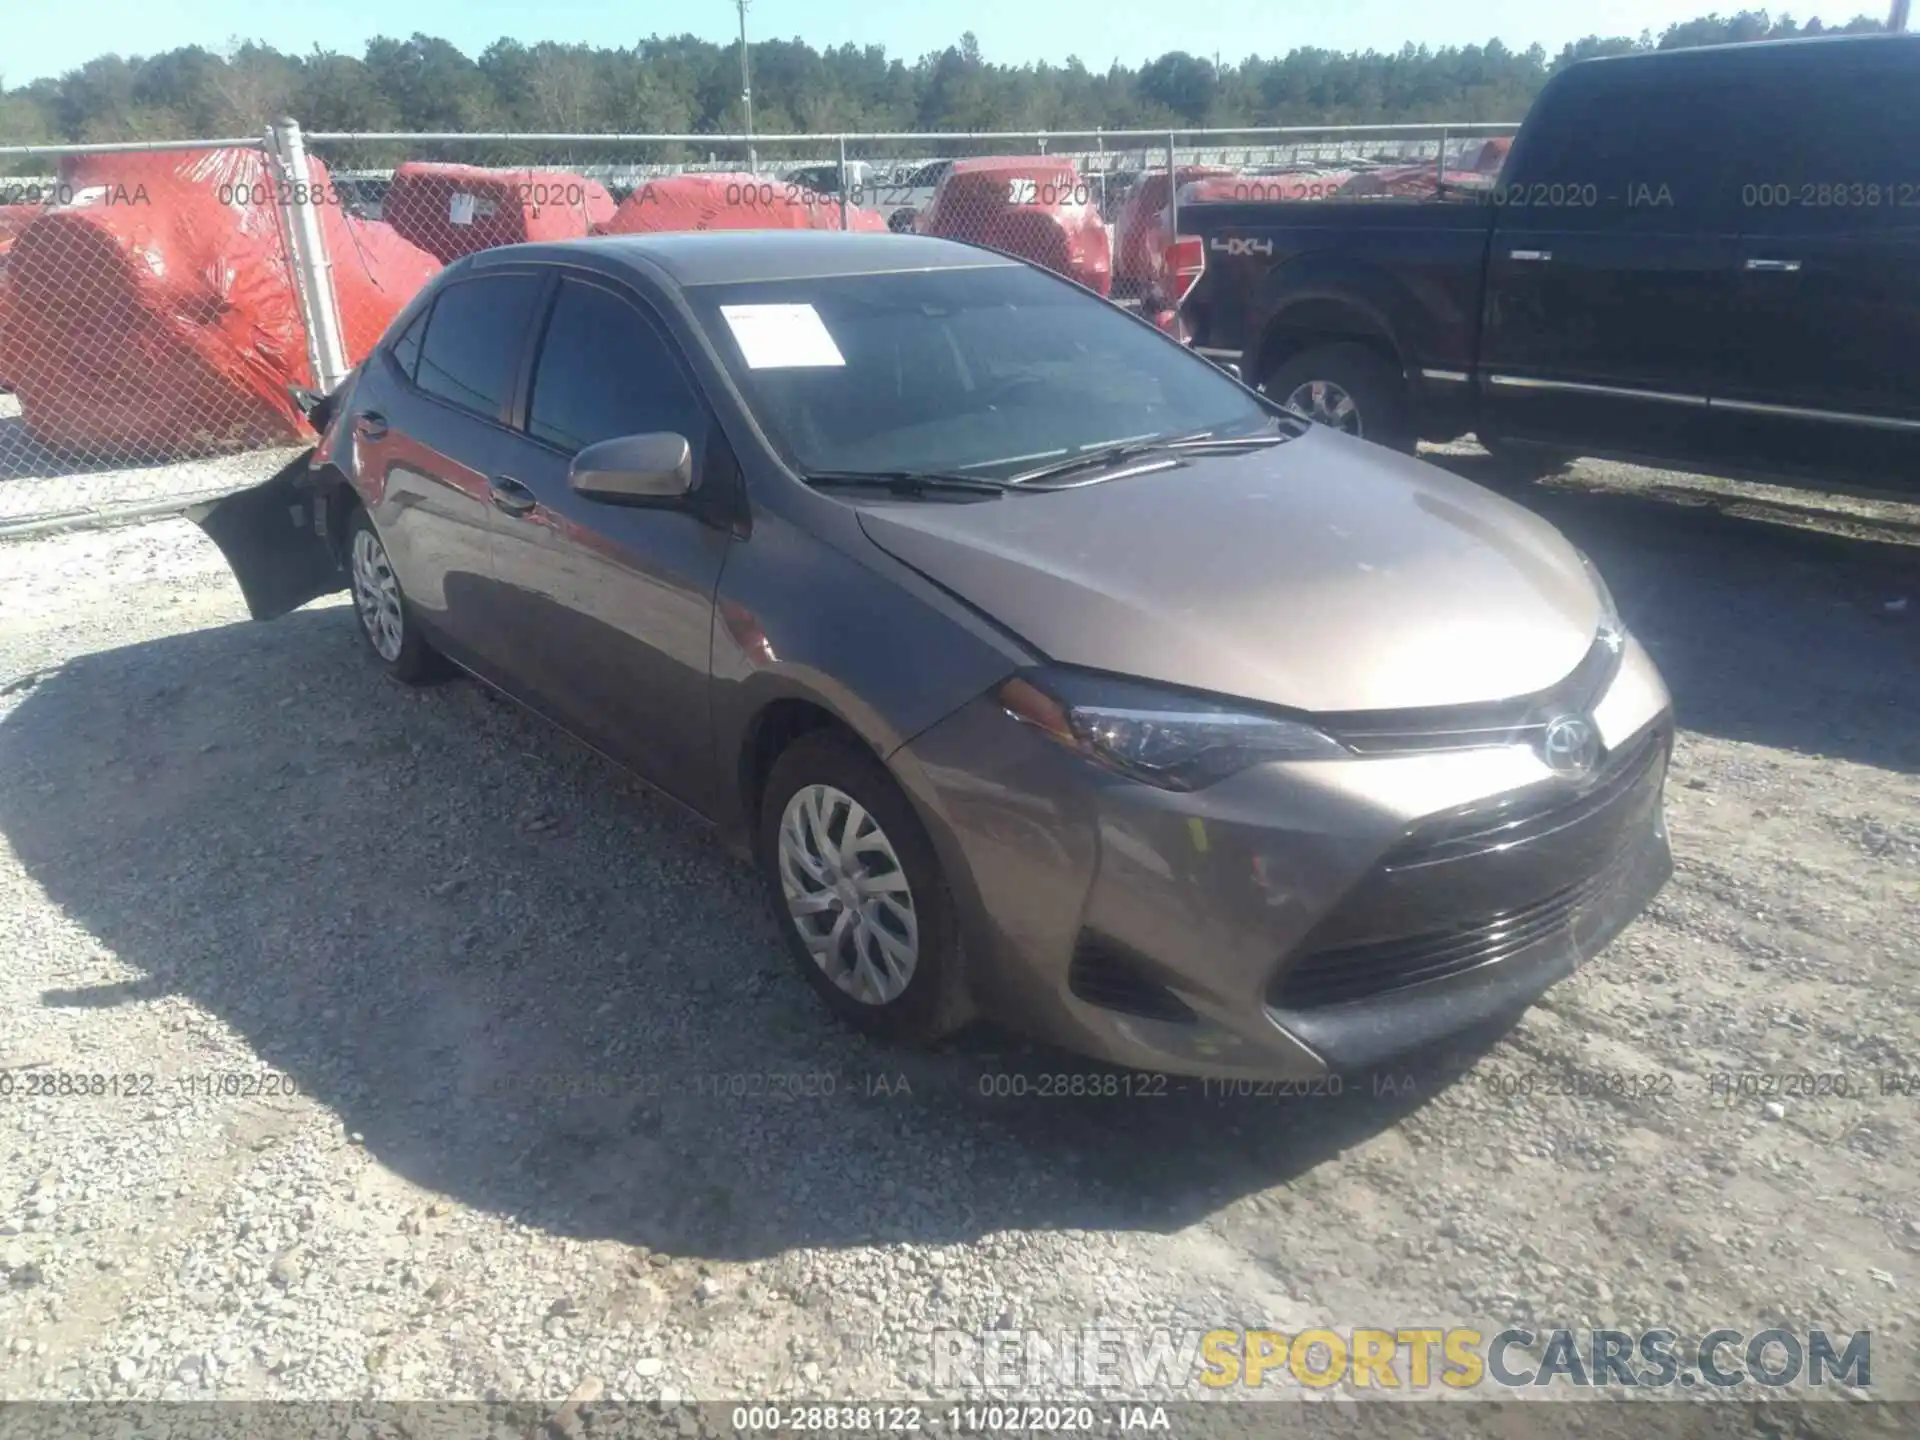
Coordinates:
988 370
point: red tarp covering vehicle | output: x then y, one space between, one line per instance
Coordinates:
1415 182
1210 184
731 201
1027 205
1140 239
454 210
155 315
1481 169
1292 186
13 219
1493 155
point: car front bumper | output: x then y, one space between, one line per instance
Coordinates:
1297 919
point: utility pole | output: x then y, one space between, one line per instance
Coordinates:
746 87
1897 20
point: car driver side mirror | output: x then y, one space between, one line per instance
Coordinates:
634 470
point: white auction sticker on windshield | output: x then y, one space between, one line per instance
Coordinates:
782 337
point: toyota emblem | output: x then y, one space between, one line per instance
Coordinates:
1570 745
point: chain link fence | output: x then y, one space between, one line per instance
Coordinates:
148 325
161 305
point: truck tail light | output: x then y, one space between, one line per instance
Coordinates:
1186 263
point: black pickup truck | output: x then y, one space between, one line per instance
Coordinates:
1707 259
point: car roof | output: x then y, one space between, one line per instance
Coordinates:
719 257
1759 49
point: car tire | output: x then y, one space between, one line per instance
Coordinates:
1361 392
380 611
900 222
894 970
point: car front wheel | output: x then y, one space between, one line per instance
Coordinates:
858 892
381 608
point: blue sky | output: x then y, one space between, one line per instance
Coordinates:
46 37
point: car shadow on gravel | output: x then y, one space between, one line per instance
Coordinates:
528 985
1767 632
532 987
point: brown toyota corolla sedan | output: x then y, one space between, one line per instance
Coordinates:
1044 670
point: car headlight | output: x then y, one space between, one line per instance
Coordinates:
1158 736
1612 629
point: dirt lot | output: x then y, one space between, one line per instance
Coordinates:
515 1000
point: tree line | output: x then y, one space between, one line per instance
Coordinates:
685 85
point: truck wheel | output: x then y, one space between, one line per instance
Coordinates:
1350 388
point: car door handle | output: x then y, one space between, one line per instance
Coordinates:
511 496
1540 255
370 425
1775 267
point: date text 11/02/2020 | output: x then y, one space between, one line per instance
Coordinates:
47 1084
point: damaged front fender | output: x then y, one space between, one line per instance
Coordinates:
275 538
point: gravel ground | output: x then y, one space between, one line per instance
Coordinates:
511 994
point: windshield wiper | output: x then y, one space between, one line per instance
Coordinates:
1102 456
1228 442
908 482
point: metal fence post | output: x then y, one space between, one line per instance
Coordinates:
843 182
300 203
1173 191
1440 165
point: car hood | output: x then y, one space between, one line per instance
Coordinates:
1324 574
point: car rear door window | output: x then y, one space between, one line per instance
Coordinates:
605 370
474 340
406 349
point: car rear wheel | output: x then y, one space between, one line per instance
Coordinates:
858 892
1349 387
381 609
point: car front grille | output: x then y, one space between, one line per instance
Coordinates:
1464 727
1478 886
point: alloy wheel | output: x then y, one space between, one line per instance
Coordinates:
1326 403
376 596
847 894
